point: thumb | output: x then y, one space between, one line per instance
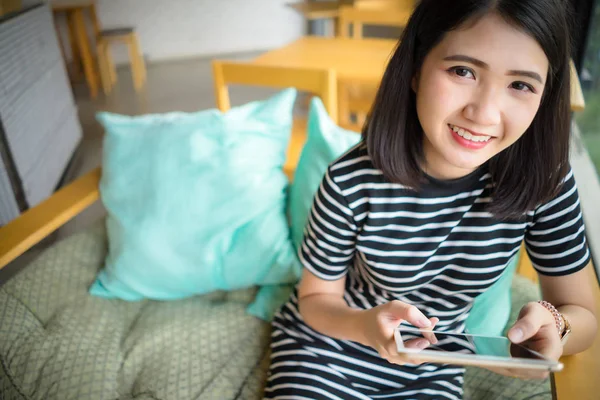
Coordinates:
399 310
531 318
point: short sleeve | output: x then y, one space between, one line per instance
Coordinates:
330 234
556 241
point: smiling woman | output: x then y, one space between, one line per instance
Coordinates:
464 155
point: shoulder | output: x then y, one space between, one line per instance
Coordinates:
565 194
353 167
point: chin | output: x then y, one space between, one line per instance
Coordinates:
468 165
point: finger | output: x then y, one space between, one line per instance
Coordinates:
417 344
392 355
408 313
428 335
531 318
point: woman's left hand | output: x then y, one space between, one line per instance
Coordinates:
535 329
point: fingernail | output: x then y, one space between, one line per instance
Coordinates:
422 343
516 334
423 323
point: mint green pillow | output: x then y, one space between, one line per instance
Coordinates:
324 144
491 309
196 201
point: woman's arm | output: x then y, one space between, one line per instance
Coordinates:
324 309
572 295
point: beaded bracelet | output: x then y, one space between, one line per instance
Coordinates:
557 317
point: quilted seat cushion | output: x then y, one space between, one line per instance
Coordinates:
58 342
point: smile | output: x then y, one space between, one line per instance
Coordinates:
468 135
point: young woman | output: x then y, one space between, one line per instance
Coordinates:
464 156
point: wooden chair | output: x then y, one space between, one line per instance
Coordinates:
354 98
321 83
108 74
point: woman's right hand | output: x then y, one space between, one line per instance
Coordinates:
380 322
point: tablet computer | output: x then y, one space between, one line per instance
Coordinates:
467 349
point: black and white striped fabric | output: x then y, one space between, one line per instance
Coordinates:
436 248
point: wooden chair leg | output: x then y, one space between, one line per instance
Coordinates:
111 66
138 70
141 61
86 55
105 78
75 56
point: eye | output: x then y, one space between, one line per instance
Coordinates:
522 87
462 72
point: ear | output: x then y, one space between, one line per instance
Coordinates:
414 83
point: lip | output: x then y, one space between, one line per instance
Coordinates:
467 143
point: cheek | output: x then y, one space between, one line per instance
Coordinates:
436 98
519 118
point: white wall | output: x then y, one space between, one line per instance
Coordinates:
187 28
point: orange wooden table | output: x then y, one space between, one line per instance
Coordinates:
78 37
353 59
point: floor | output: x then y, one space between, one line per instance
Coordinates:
182 85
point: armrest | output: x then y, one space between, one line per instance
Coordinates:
580 379
35 224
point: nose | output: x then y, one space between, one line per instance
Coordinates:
483 108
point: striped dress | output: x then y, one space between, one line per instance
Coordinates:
436 249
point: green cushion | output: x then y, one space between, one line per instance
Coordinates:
57 342
188 194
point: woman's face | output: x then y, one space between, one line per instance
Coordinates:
477 93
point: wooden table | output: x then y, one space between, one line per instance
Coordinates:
362 60
358 60
78 38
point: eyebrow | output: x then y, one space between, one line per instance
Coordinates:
481 64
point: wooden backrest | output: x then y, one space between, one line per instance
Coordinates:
358 16
321 83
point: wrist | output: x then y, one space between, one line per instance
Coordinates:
556 316
359 327
562 324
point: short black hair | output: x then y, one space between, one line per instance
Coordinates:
525 174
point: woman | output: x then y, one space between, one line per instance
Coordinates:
464 155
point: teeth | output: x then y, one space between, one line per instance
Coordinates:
462 133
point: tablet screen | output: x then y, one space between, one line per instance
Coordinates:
495 346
